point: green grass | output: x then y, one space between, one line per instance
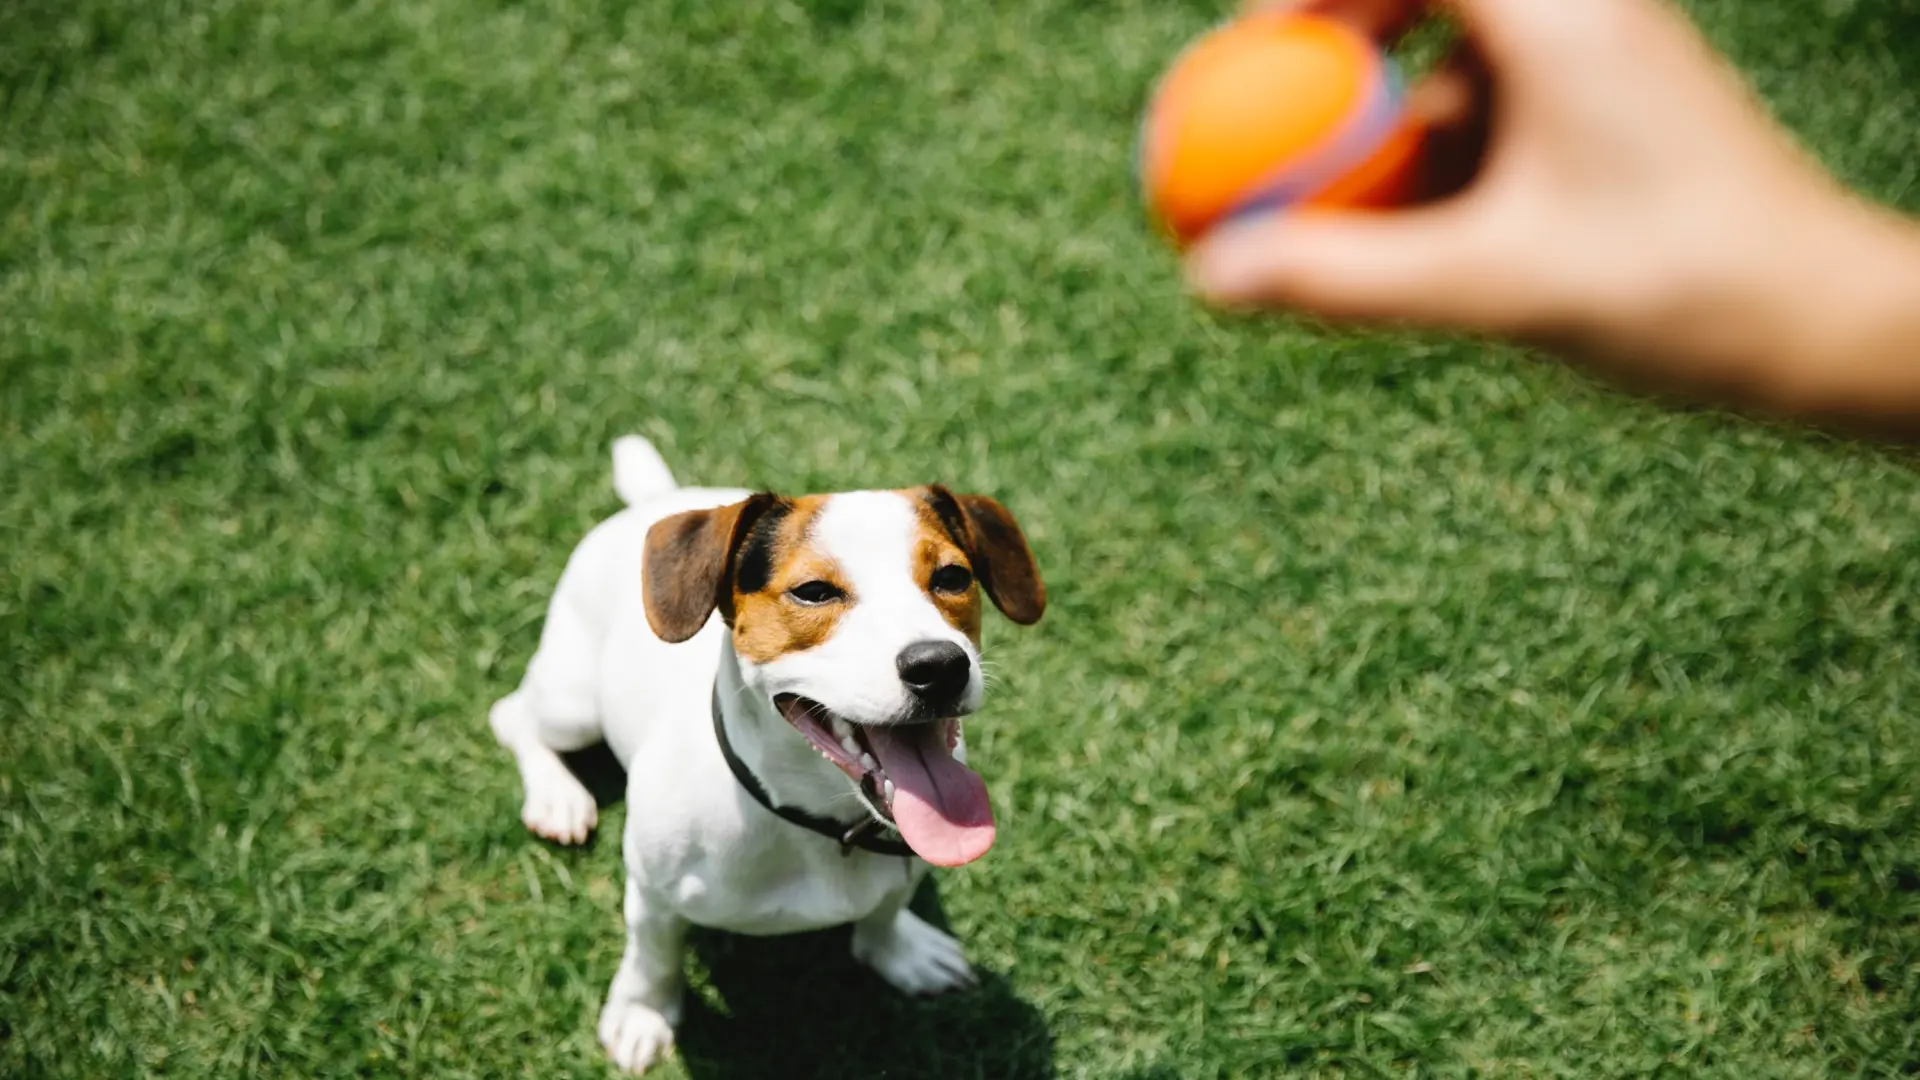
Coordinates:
1405 707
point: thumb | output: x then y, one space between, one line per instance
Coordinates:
1418 266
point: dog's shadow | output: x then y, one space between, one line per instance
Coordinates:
799 1006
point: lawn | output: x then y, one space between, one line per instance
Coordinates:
1406 706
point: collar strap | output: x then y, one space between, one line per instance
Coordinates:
862 834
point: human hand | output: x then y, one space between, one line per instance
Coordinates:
1601 181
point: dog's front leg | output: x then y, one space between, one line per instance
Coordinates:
643 1004
909 952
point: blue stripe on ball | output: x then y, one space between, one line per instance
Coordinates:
1336 157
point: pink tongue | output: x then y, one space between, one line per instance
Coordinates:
939 804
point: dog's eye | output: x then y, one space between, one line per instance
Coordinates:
815 592
952 579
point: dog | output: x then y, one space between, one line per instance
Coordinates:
784 681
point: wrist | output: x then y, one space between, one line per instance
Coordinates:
1841 319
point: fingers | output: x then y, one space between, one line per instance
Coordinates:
1382 20
1453 107
1450 97
1427 267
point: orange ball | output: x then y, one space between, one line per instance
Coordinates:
1270 111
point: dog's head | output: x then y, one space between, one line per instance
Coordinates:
858 617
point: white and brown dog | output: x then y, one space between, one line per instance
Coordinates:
784 681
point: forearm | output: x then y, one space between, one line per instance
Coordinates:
1843 325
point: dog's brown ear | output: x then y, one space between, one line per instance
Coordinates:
686 565
998 550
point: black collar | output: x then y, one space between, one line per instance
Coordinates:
860 834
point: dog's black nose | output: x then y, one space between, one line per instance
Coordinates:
936 671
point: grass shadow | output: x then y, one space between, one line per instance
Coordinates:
597 768
799 1006
834 15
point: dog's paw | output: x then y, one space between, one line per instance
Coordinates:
635 1036
558 806
915 957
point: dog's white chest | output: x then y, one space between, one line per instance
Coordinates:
797 906
773 883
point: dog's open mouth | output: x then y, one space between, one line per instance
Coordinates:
909 772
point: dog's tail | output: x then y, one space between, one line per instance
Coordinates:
639 472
